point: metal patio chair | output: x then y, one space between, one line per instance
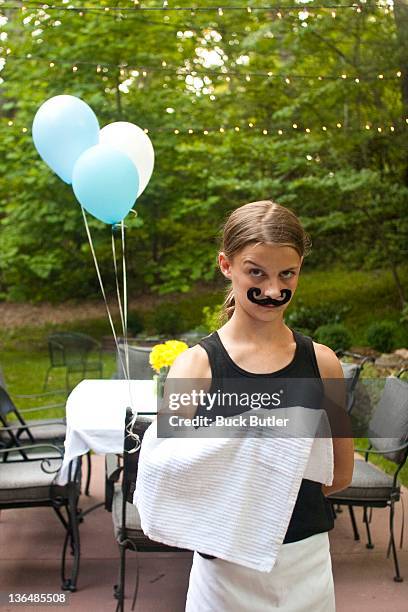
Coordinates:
76 352
27 480
34 431
371 487
139 366
352 373
119 501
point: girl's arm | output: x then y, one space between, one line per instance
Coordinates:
343 446
190 371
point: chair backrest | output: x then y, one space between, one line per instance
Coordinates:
130 454
70 347
7 406
351 373
139 366
388 427
2 379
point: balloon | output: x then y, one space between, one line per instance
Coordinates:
63 128
131 139
106 182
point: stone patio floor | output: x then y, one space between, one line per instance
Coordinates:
31 540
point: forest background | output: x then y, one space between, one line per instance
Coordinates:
304 105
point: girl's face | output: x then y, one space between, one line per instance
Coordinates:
268 267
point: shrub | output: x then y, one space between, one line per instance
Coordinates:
135 323
167 320
211 317
334 335
380 336
308 319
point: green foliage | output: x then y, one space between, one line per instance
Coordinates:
135 322
212 317
380 335
167 320
334 335
348 185
308 318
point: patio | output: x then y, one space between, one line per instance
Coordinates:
30 561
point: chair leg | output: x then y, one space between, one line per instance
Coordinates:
397 577
46 378
137 583
366 521
354 524
119 589
88 474
72 536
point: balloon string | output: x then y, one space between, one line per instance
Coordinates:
125 314
126 373
125 294
88 233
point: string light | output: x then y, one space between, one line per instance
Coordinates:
166 68
250 125
165 7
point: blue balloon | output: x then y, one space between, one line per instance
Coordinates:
63 128
106 182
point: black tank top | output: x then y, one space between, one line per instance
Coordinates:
312 512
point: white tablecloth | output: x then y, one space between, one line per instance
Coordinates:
95 413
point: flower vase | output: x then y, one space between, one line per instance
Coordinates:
161 379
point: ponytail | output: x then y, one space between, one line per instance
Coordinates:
228 306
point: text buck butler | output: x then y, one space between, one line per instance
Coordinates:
240 420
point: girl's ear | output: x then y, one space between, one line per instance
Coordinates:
224 264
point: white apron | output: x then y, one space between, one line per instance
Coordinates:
300 581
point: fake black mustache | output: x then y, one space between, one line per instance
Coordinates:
253 291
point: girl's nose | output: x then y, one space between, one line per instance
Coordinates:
273 291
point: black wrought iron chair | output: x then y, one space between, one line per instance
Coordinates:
27 480
119 501
76 352
371 487
352 373
35 431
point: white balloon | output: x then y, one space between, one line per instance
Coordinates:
132 140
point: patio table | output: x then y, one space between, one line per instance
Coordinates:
95 415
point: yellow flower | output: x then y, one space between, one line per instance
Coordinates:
163 355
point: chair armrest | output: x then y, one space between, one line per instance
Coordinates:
45 394
391 450
40 408
54 453
29 425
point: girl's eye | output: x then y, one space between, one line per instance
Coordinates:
252 270
289 272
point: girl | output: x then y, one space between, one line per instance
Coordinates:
262 250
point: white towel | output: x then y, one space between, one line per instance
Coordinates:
230 497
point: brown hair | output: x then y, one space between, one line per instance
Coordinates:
260 222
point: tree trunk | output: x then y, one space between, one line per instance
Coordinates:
401 24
